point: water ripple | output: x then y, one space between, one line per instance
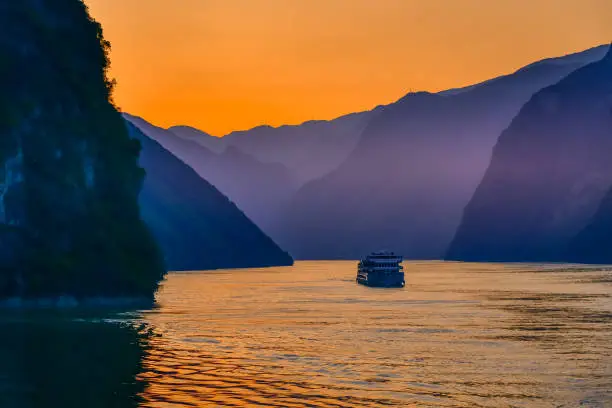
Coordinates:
459 335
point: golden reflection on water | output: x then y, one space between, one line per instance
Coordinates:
458 335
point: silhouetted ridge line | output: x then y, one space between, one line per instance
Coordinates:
549 173
417 164
198 227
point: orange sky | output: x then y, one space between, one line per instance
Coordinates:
222 65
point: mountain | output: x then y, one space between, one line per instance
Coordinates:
592 244
212 143
186 149
417 164
579 58
310 150
261 190
70 224
197 227
293 146
549 173
261 169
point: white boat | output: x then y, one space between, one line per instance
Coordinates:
381 269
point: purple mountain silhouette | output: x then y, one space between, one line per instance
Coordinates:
261 190
416 166
196 226
398 176
549 173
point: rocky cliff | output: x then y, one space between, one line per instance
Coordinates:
69 175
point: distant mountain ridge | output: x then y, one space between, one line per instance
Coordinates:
549 173
212 143
310 150
293 146
398 176
261 190
417 164
579 58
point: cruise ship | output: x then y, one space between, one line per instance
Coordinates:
381 269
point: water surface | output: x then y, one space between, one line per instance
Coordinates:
458 335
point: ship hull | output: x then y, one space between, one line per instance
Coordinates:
387 280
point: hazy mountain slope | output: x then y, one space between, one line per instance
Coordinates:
309 150
579 58
549 172
212 143
197 227
261 190
418 162
190 150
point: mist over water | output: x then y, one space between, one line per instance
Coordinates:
458 335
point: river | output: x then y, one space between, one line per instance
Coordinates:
458 335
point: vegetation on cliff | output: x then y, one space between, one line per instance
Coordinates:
69 173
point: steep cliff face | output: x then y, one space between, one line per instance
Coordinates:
549 172
197 227
419 160
69 174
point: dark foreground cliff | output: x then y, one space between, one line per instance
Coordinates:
197 227
70 222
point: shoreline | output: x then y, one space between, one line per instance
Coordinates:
71 302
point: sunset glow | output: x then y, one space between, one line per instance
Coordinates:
224 65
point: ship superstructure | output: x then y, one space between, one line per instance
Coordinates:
381 269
